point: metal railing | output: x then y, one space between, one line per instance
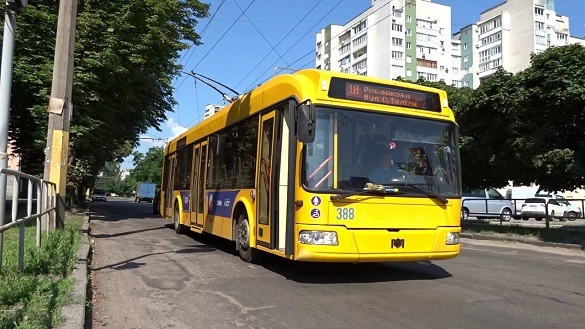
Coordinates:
45 212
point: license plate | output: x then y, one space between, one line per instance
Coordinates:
532 206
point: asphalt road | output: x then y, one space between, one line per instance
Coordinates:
146 276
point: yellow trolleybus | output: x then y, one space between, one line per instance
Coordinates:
322 166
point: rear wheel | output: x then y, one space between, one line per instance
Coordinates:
506 215
179 229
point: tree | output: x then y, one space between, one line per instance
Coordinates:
551 118
126 56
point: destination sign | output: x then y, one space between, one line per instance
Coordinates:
384 94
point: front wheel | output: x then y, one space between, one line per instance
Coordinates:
464 214
246 252
572 215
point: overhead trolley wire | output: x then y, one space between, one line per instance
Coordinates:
283 38
201 35
312 50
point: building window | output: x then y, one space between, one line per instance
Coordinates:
408 73
360 40
408 18
491 24
538 11
344 49
540 40
409 59
465 59
426 63
408 45
465 46
491 38
344 60
360 27
396 42
425 24
396 27
344 37
539 26
425 37
397 54
455 70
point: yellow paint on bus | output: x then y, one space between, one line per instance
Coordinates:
378 181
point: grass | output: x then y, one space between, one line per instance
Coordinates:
558 235
34 297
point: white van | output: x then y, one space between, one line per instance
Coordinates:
519 194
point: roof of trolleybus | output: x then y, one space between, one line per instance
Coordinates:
315 85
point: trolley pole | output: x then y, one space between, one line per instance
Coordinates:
11 8
60 110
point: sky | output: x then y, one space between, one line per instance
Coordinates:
244 40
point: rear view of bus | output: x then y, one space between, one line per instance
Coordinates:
381 180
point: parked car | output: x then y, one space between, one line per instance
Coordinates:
485 203
99 195
557 208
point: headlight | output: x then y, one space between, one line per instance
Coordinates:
452 238
318 237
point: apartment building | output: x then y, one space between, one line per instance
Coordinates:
393 38
507 34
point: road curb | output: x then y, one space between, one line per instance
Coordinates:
74 313
476 236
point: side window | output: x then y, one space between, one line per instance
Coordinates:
553 202
478 193
493 194
561 200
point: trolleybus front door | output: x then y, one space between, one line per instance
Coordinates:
264 220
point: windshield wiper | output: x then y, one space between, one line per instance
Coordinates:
370 188
423 190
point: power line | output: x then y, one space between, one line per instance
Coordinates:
254 25
312 51
283 38
224 34
329 12
201 35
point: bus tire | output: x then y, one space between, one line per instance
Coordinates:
246 252
179 228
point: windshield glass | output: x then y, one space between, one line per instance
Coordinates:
377 148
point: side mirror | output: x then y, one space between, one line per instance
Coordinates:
305 121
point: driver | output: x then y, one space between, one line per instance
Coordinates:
386 171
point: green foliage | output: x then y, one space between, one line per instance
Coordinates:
126 56
147 168
34 297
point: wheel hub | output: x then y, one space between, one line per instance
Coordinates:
244 234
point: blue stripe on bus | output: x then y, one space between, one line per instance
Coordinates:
221 203
185 198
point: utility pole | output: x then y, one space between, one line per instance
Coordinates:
60 108
11 9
